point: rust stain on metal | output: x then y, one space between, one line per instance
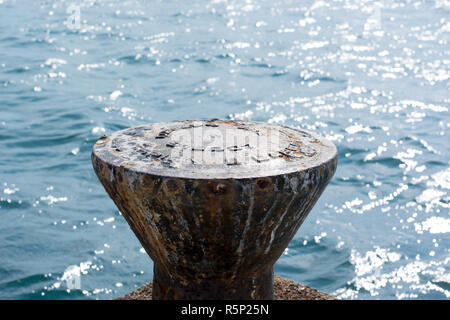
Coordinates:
214 230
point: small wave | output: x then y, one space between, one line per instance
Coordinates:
28 280
18 70
14 204
45 141
137 59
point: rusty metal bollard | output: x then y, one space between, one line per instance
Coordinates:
214 202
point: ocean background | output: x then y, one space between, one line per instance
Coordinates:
373 77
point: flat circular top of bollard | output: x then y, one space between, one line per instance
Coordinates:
214 149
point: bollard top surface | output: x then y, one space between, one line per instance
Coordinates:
214 149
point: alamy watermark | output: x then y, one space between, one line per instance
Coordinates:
373 23
72 277
73 21
211 145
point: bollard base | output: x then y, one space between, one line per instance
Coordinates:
284 289
259 287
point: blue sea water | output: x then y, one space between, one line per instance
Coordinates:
373 77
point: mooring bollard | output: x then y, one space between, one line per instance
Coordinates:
214 202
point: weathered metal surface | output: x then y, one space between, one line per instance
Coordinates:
214 203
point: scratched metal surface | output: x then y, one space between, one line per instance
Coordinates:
214 149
